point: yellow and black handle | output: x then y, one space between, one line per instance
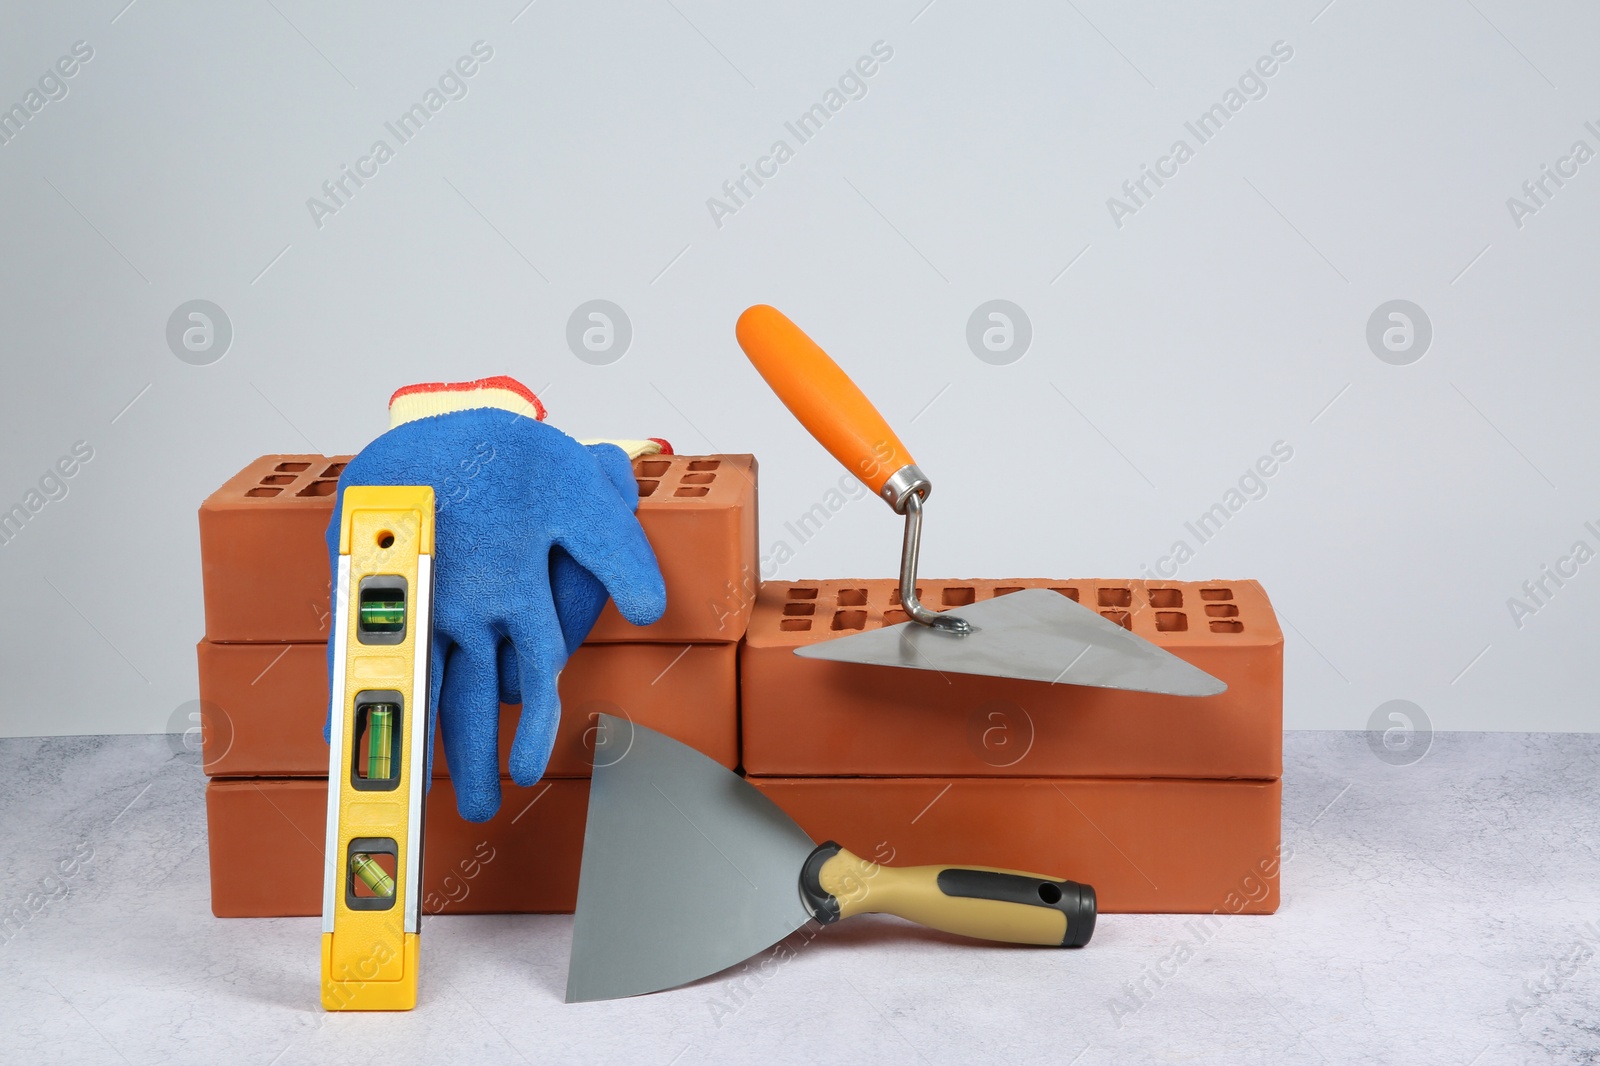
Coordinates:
976 901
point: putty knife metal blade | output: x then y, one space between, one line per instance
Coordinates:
1035 635
687 869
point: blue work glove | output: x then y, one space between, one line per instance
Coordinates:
533 532
579 595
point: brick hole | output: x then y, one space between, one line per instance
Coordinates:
1071 594
319 488
794 625
894 616
1006 590
1166 597
278 479
1122 618
799 608
647 488
654 467
803 594
704 464
291 468
263 492
852 598
1116 597
334 470
896 594
1172 622
1216 594
849 619
1221 610
699 479
691 490
958 596
1226 626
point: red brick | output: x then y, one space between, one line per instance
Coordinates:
803 717
265 564
699 512
262 555
1168 846
265 705
267 838
1146 846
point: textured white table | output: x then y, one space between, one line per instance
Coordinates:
1442 912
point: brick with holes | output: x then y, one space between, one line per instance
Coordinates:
265 566
699 512
263 561
810 717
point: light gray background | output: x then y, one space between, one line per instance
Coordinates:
1228 314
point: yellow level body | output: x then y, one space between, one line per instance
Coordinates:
382 629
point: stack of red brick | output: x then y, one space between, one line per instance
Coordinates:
1162 803
264 689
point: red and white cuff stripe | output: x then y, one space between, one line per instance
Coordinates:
501 392
441 397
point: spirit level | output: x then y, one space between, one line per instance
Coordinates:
372 890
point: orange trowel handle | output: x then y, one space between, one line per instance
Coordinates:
821 396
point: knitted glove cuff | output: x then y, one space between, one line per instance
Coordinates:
442 397
499 392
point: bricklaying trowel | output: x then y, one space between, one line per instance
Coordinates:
1033 634
688 870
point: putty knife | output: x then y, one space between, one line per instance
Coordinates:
1034 634
688 870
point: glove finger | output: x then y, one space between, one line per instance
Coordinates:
579 598
579 595
469 715
618 469
611 545
438 654
541 662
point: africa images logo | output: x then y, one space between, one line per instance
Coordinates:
1251 85
452 85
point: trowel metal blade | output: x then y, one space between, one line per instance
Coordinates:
687 869
1034 635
